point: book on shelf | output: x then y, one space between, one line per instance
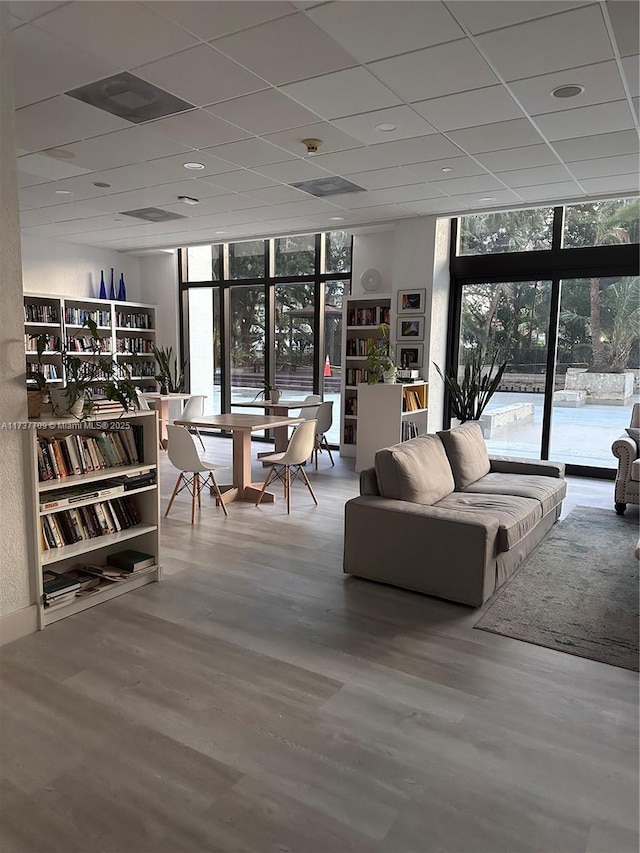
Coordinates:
130 560
78 524
68 454
59 587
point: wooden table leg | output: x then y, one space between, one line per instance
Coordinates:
243 489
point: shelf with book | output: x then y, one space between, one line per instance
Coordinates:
84 517
389 413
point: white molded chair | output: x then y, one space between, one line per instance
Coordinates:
194 409
324 419
309 414
143 403
286 466
184 456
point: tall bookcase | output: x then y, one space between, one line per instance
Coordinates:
58 495
126 331
362 317
388 414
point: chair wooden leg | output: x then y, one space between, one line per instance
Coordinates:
326 444
194 488
218 493
306 479
200 486
287 478
175 492
268 479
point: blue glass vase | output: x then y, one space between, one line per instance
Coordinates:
112 287
122 289
103 288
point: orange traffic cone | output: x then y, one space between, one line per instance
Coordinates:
327 367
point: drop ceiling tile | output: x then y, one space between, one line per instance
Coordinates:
625 19
168 169
127 34
27 180
43 66
495 14
546 45
380 179
343 93
601 83
197 188
414 192
290 225
48 168
599 145
236 201
250 152
264 112
480 106
537 175
348 162
197 129
364 127
631 67
600 167
586 121
472 184
289 49
60 213
435 71
213 20
492 137
310 207
437 205
418 150
624 184
60 121
29 11
201 76
133 200
332 138
293 170
276 195
459 167
124 147
481 200
373 30
382 213
242 180
518 158
552 193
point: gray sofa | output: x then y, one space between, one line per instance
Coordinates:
437 515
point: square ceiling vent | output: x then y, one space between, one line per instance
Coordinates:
328 186
152 214
130 98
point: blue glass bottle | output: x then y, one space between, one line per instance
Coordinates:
112 287
103 289
122 289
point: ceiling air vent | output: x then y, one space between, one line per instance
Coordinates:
328 186
152 214
130 98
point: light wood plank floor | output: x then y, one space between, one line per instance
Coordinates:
259 701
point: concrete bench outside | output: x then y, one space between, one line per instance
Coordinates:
504 416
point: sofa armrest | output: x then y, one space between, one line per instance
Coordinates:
441 552
368 482
540 467
626 451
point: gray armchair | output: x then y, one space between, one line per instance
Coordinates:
625 449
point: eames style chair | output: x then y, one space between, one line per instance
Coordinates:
309 414
324 419
194 408
287 465
184 456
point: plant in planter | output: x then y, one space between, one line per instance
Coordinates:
170 378
268 392
382 367
469 396
35 396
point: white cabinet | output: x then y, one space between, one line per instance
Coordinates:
110 503
388 414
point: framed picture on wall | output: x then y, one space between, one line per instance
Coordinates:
410 355
411 300
410 329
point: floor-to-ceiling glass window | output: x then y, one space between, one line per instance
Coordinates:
555 292
203 330
247 341
294 338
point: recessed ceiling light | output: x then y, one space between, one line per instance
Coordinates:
569 91
60 154
336 218
195 166
63 192
101 184
386 127
219 232
118 219
487 198
446 169
186 199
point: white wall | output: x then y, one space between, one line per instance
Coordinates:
372 251
159 286
66 269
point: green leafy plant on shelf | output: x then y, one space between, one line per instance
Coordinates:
468 396
382 367
169 376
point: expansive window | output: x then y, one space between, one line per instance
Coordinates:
266 312
555 291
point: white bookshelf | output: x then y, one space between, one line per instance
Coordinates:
143 536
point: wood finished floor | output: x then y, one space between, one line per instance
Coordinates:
259 701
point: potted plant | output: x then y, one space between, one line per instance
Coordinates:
268 392
469 396
382 367
171 379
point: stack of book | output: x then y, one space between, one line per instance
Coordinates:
60 588
88 522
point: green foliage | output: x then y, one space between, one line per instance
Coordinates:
171 378
507 231
468 397
380 355
34 373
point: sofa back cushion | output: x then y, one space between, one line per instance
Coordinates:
467 453
417 471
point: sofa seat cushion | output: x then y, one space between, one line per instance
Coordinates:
635 470
467 453
549 491
417 471
516 516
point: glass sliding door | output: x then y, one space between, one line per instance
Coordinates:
334 292
204 345
512 318
596 368
248 340
295 328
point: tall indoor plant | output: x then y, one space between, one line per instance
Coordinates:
468 397
169 376
380 361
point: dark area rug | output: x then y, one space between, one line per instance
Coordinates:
578 592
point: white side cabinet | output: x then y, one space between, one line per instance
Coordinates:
388 414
